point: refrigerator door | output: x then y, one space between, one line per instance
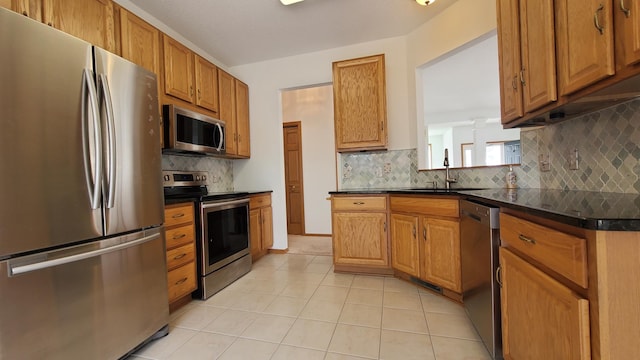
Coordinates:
93 301
48 168
132 188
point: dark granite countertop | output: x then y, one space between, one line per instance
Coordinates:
585 209
214 196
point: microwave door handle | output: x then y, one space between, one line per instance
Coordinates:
111 133
90 102
221 137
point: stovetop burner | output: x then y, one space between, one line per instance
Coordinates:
192 185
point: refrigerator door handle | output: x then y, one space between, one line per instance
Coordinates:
221 137
17 269
90 101
111 133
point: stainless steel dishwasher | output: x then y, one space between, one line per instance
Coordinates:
480 240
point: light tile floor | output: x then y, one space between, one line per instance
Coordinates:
295 307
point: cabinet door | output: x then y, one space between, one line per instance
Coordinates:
360 108
404 244
538 53
541 318
242 118
360 239
90 20
267 227
227 110
30 8
206 84
255 232
584 35
178 70
509 60
441 254
627 23
140 42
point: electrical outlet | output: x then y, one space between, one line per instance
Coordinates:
544 162
574 160
379 171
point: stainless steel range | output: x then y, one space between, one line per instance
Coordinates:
222 229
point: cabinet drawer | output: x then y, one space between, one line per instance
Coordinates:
357 203
561 252
426 206
181 281
180 256
259 201
179 236
178 214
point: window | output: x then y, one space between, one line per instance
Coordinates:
467 154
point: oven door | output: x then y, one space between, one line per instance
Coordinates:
225 233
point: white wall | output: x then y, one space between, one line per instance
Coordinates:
265 169
313 107
460 23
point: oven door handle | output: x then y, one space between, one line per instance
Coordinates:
206 205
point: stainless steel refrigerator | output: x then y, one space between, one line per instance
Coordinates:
82 255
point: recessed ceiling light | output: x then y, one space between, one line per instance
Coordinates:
289 2
421 2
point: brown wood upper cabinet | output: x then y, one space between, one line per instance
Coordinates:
627 32
527 56
139 41
585 43
234 111
30 8
596 44
189 77
360 107
90 20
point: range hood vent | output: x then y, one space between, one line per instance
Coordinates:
615 94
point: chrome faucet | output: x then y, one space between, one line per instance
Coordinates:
448 179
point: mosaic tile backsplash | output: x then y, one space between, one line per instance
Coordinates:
220 170
607 143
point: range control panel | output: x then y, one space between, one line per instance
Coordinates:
184 178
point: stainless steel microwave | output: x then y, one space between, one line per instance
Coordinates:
186 131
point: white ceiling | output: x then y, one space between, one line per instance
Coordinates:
238 32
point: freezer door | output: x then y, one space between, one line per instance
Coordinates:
94 301
132 190
47 174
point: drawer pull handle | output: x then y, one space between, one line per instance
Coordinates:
176 216
358 203
424 233
179 236
414 232
498 272
181 281
178 257
527 239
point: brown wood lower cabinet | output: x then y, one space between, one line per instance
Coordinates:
181 265
260 225
425 239
541 318
567 292
359 227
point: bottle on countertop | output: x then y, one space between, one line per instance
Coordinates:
511 179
